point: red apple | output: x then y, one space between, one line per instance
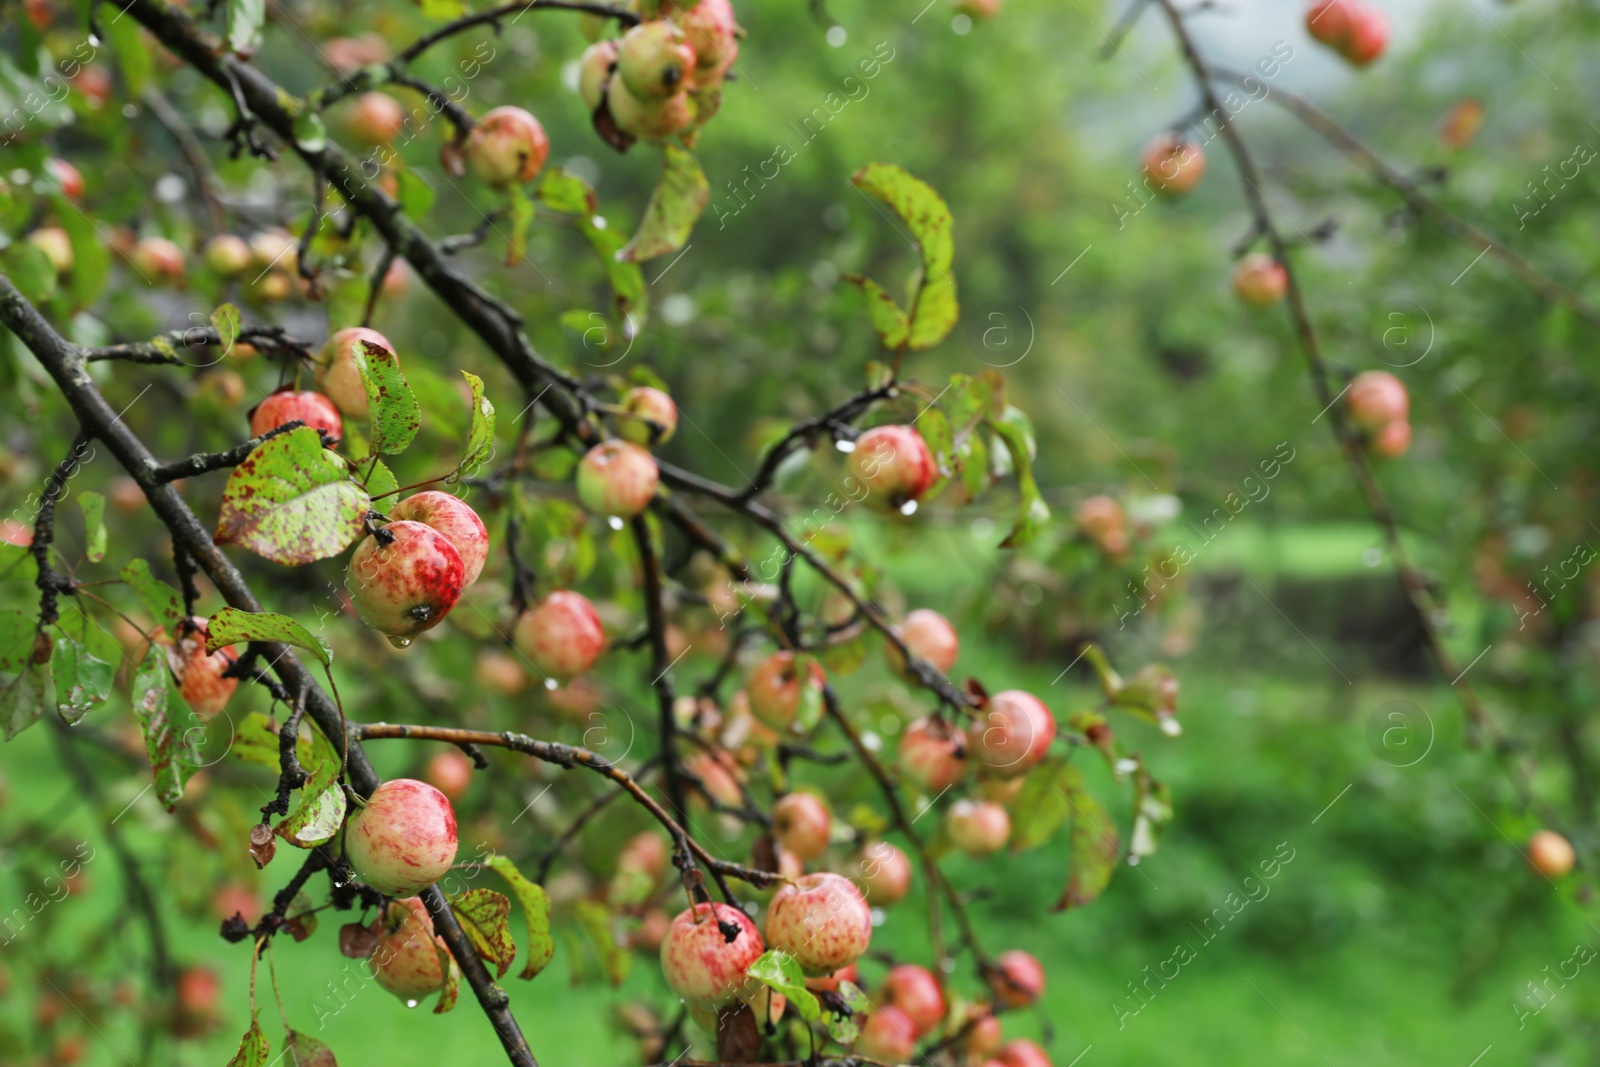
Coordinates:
450 772
287 405
649 119
828 983
884 873
1260 280
1376 398
227 254
915 991
404 839
1330 21
1014 734
888 1035
933 755
404 579
376 119
507 147
654 60
1104 522
1551 854
1022 1053
1017 979
895 464
617 478
157 260
801 823
67 177
337 373
275 249
196 995
1393 440
978 827
56 246
983 1034
199 674
650 406
497 671
561 635
709 27
1369 36
598 61
822 920
409 960
930 636
700 963
452 517
719 775
774 689
979 10
1173 165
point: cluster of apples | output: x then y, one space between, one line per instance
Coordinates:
1380 406
663 77
1355 29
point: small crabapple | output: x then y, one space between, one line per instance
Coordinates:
1393 440
930 636
235 898
376 119
646 119
984 1034
337 371
1260 280
288 405
719 776
196 996
828 983
403 579
1017 979
915 991
774 689
1369 36
888 1035
977 827
654 60
1376 398
1017 732
199 674
597 64
68 178
884 873
275 249
403 839
16 532
617 478
500 672
454 518
450 772
157 259
507 147
895 464
700 963
409 960
822 920
561 635
227 254
1021 1052
801 823
1551 854
1103 521
709 27
933 755
1329 22
1173 165
648 405
56 246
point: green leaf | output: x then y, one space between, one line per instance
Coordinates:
521 219
1040 809
615 959
23 699
969 399
567 193
535 909
321 810
936 312
1152 808
443 9
972 461
227 322
1093 842
676 204
134 56
779 970
887 317
452 985
1032 511
381 482
256 741
291 501
91 254
162 740
93 506
915 201
304 1050
159 598
845 1029
232 626
253 1047
934 426
30 271
18 629
394 417
245 18
480 439
310 133
416 195
83 682
485 916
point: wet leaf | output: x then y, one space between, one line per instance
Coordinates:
535 909
1093 843
93 506
83 682
172 757
675 206
393 415
291 501
485 916
253 1047
23 699
480 438
159 598
887 316
781 971
232 626
306 1051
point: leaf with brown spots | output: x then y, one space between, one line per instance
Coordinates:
393 415
292 501
680 196
486 917
1093 843
172 756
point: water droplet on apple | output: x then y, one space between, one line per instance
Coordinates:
614 522
400 642
411 1003
908 508
551 683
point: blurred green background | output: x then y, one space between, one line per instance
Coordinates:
1406 928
